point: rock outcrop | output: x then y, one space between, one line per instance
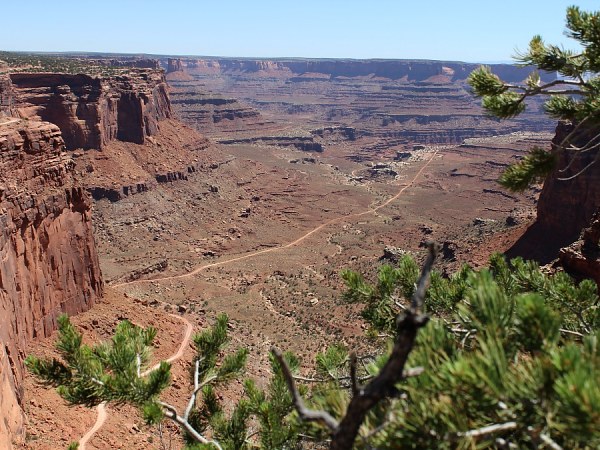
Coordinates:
565 207
174 65
48 260
92 111
582 258
6 96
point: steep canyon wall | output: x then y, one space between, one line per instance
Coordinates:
48 260
92 111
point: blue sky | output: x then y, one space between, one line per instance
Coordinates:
466 30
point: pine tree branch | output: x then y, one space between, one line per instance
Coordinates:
582 170
192 400
171 413
412 372
384 384
305 414
545 86
418 298
573 333
490 429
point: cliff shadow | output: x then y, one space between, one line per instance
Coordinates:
540 244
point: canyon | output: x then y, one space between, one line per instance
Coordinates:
237 186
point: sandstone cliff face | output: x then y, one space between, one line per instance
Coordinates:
92 111
566 207
48 260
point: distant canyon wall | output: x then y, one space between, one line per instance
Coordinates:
48 260
411 70
92 111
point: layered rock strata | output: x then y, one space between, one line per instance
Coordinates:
48 260
411 70
92 111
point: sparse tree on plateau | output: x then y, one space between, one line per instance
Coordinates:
574 97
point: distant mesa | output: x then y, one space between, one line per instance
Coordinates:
174 65
410 70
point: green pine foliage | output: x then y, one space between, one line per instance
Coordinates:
115 371
511 347
108 371
573 96
278 427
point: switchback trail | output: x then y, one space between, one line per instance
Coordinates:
101 408
290 244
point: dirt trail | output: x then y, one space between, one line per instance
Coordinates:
101 408
290 244
6 122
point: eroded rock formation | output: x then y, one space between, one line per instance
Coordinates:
174 65
565 207
92 111
48 260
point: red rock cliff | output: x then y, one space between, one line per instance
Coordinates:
48 260
566 207
92 111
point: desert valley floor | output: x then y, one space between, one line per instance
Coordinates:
277 204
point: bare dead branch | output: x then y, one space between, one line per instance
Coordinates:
304 413
171 413
549 442
418 298
192 400
138 362
582 170
384 384
573 333
490 429
381 386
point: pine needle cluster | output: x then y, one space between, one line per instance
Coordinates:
574 96
512 360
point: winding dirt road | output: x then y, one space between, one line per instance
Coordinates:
290 244
101 408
